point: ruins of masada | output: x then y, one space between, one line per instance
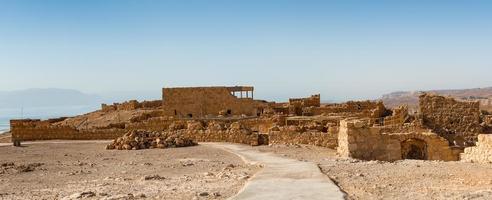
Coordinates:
442 129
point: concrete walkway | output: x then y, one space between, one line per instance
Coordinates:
282 178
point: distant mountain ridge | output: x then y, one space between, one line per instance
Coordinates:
38 97
411 98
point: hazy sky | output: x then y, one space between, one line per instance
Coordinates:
341 49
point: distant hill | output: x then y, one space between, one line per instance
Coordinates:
46 98
411 98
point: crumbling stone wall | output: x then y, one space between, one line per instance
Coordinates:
205 101
482 153
399 116
318 133
458 122
131 105
369 109
152 124
216 131
315 138
29 130
297 106
357 139
211 131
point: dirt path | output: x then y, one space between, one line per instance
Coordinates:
282 178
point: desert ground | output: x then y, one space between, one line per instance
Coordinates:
405 179
74 170
5 137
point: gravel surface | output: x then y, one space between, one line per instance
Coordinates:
88 171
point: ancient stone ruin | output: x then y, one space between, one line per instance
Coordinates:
458 122
482 153
441 129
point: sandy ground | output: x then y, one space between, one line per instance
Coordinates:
86 170
5 138
408 179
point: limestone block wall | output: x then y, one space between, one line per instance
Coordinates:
458 122
152 124
29 130
297 105
353 108
316 138
357 139
207 135
482 153
260 125
203 101
213 131
399 116
313 100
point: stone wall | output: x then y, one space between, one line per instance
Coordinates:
132 105
200 131
370 109
399 116
357 139
315 138
29 130
198 102
297 105
216 131
313 100
458 122
482 153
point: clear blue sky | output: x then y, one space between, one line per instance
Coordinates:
342 49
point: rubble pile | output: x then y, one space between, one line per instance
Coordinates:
141 139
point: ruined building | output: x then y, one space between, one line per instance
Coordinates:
359 129
457 121
199 102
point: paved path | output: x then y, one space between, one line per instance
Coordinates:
282 178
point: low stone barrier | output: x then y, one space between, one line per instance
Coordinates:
315 138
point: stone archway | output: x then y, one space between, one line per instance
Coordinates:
414 149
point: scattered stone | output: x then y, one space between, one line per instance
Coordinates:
153 177
216 194
203 194
80 195
27 168
141 139
245 177
208 174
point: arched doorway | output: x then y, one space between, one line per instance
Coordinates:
414 149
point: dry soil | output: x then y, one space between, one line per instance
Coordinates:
406 179
87 170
